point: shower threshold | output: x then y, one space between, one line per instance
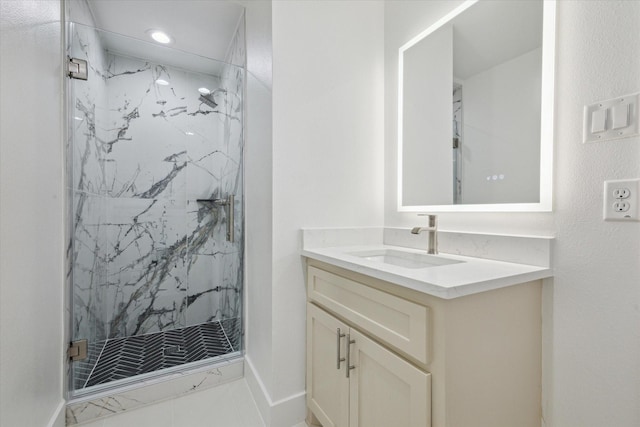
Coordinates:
105 400
117 362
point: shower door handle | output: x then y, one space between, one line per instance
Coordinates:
230 217
229 205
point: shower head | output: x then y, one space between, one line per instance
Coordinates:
209 98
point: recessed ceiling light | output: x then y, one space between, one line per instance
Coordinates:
189 133
204 91
160 36
162 82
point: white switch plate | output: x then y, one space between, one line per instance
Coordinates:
621 200
615 113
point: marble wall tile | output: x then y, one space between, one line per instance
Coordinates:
232 289
88 112
457 112
237 54
147 251
86 181
203 294
147 127
229 263
89 272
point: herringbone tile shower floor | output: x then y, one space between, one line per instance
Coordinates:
120 358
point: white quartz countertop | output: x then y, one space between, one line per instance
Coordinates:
471 276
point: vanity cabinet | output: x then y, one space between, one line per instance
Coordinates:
482 352
353 381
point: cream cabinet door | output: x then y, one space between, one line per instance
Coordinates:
327 383
385 390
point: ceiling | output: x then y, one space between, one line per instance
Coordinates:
202 27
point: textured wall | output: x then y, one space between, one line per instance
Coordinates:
596 301
31 214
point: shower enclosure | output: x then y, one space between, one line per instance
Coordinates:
155 182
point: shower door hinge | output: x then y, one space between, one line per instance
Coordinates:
456 143
77 350
78 69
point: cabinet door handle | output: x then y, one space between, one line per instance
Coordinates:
339 359
349 365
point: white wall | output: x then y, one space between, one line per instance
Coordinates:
591 315
31 215
596 301
258 202
328 66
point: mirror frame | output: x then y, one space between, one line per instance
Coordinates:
546 120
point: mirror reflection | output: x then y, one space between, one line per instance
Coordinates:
470 108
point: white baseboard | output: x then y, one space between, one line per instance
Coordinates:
285 412
57 418
258 390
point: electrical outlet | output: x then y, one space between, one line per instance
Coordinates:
621 200
621 193
621 206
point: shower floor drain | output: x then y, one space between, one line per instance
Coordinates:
174 349
126 357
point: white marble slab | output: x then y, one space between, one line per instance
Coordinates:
112 402
470 276
533 250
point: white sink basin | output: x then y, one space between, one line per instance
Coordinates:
404 259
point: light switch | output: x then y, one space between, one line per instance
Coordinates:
612 119
598 121
620 116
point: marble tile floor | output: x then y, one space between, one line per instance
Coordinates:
227 405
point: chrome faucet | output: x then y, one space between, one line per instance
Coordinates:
433 232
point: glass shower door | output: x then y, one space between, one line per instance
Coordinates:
154 158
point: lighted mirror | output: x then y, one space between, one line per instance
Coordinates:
475 121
